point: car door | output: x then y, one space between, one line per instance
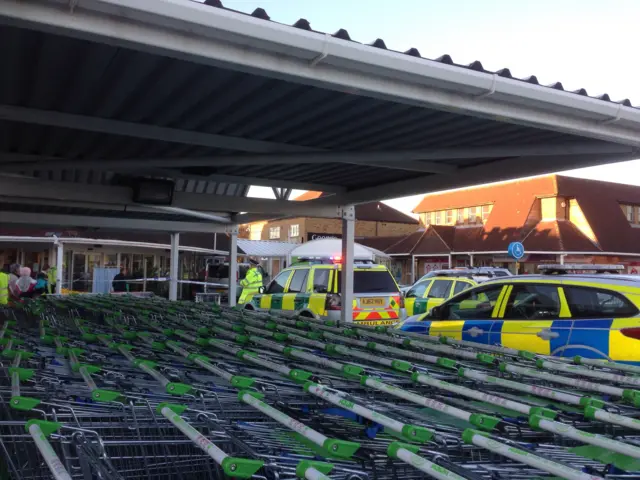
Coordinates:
414 294
534 318
271 299
472 315
439 290
600 316
318 289
295 296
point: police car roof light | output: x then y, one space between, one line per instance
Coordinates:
568 267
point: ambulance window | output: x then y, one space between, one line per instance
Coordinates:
533 302
440 289
299 281
321 280
417 291
460 287
277 284
596 303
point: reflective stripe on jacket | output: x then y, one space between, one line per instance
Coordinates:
252 280
4 288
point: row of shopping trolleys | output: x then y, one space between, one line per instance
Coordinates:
103 387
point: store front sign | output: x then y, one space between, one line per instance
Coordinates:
322 236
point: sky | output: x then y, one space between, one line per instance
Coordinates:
591 44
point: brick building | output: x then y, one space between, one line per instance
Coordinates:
372 220
555 217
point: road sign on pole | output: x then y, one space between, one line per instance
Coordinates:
516 250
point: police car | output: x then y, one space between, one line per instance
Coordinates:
585 314
432 291
311 288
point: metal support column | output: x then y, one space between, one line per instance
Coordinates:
471 259
173 266
144 274
59 264
233 268
450 261
348 239
561 259
413 269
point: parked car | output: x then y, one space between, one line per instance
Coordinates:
312 288
477 274
592 316
432 291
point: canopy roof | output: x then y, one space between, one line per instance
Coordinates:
331 247
217 101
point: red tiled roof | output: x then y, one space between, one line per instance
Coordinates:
554 235
600 203
406 245
372 212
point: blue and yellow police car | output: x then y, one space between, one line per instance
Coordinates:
588 315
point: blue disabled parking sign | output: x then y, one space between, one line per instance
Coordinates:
516 250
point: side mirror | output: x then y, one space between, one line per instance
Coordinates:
261 289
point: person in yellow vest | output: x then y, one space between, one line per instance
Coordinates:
4 288
251 283
51 278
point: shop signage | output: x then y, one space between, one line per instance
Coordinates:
322 236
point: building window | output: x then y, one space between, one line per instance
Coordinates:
449 217
427 219
460 215
438 218
472 215
630 213
294 231
274 232
486 209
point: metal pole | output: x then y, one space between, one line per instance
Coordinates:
233 268
144 274
471 259
271 267
413 269
561 258
173 266
450 261
59 263
348 239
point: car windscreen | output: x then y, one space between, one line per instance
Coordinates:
371 281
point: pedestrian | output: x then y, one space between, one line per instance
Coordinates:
251 283
25 285
14 274
119 284
4 288
41 284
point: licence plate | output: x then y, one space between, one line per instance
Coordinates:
372 302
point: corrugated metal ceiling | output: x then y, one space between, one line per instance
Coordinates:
63 74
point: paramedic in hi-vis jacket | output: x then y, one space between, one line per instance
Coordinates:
251 283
